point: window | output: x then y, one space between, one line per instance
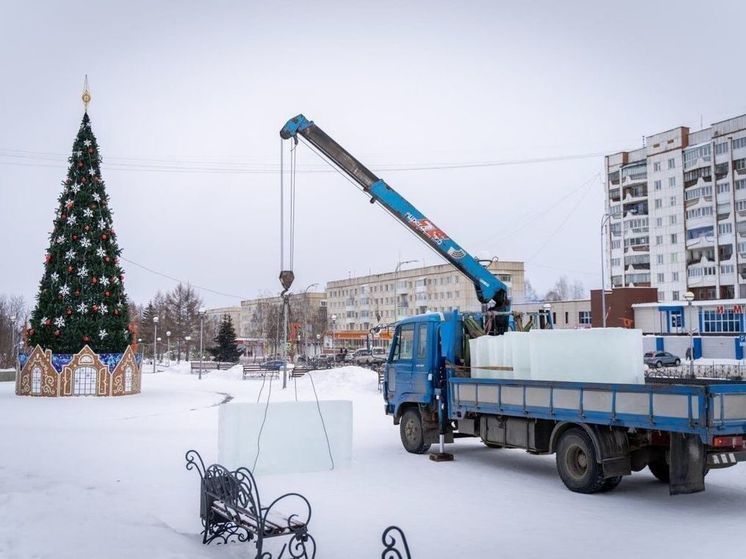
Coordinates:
128 379
721 148
725 228
659 222
699 212
616 261
616 244
727 321
671 182
740 205
675 276
84 381
584 318
658 203
659 259
659 240
673 200
567 317
675 295
36 380
672 220
739 143
657 185
726 269
661 278
672 163
421 342
674 238
740 184
657 166
723 187
676 318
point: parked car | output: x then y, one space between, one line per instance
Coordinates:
661 359
275 365
374 356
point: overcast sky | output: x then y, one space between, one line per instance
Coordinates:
188 99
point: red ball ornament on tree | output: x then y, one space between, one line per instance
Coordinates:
57 333
90 150
48 258
94 308
68 182
30 331
75 237
63 216
86 339
80 163
83 180
107 293
116 312
47 322
107 259
70 269
103 236
93 205
87 227
77 292
94 280
69 311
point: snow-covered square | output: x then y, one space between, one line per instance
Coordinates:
88 477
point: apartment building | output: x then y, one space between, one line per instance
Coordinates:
354 305
215 317
677 210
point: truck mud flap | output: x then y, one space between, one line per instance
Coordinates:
687 464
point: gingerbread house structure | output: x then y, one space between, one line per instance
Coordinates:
82 374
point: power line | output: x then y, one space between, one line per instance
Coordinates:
45 159
172 278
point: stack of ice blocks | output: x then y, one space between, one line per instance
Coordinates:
608 355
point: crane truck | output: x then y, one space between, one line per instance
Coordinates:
599 432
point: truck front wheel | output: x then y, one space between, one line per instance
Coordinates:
412 433
659 468
577 464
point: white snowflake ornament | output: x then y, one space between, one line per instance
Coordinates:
59 322
87 143
82 308
85 242
64 290
70 254
88 212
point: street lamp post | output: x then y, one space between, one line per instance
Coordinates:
334 327
155 341
187 339
689 297
13 342
201 353
168 346
604 221
396 286
318 343
142 350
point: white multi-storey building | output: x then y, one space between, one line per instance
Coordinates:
678 213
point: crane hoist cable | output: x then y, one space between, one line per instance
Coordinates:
286 266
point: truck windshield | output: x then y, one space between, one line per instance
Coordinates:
404 343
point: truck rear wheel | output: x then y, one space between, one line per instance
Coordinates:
659 468
577 464
412 433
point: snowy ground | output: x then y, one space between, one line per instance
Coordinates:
105 478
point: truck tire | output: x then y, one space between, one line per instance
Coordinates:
659 468
492 445
412 433
577 464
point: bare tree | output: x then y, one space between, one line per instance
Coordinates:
11 330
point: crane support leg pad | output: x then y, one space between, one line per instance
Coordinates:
687 464
441 457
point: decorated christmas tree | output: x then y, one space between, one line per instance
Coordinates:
81 299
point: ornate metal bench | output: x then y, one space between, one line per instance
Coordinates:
231 512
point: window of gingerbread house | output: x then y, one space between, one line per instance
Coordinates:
36 380
128 379
85 381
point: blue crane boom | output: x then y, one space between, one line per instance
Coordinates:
490 290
